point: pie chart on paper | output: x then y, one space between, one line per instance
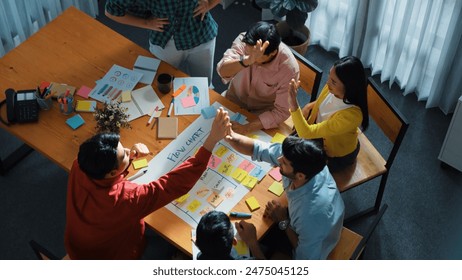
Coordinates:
195 92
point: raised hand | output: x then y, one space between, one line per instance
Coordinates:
293 89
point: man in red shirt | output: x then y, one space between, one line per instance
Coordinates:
105 211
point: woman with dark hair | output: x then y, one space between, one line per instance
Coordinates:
336 115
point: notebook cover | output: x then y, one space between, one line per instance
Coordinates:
167 128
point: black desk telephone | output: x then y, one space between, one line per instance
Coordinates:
21 106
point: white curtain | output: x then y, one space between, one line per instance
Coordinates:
415 43
21 18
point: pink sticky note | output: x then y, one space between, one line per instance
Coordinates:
214 162
84 91
246 165
275 174
188 101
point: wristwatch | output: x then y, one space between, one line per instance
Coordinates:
284 224
241 61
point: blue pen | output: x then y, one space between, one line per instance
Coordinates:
240 215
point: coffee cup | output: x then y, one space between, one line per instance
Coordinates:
164 83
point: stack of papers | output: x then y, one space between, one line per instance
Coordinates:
143 102
148 67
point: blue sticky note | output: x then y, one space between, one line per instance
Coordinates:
209 112
238 117
258 173
75 122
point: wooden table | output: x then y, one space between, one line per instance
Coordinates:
78 50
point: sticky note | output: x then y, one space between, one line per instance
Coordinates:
194 205
246 165
239 174
84 91
85 106
75 122
276 188
218 187
214 162
182 199
209 112
278 138
258 173
221 151
242 248
238 117
188 101
253 136
249 182
229 193
137 164
202 192
126 96
231 158
215 199
205 210
276 174
252 203
225 168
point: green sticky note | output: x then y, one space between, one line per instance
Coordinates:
137 164
276 188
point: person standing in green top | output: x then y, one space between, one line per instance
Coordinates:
181 33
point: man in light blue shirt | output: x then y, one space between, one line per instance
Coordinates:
313 219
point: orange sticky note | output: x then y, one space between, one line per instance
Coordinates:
179 90
252 203
137 164
215 199
276 188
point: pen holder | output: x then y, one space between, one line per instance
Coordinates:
45 103
66 104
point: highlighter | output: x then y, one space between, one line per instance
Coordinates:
240 215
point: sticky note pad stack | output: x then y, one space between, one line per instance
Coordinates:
85 106
167 128
75 122
252 203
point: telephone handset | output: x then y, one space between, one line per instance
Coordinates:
21 106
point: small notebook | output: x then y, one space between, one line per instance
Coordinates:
167 127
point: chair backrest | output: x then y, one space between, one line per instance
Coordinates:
351 244
310 76
387 117
43 254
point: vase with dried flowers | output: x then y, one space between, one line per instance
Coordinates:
111 118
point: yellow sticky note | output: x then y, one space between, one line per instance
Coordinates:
242 248
239 174
278 138
250 181
252 203
181 199
137 164
276 188
126 96
225 168
253 136
194 205
221 151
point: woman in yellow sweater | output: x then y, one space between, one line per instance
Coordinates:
338 113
